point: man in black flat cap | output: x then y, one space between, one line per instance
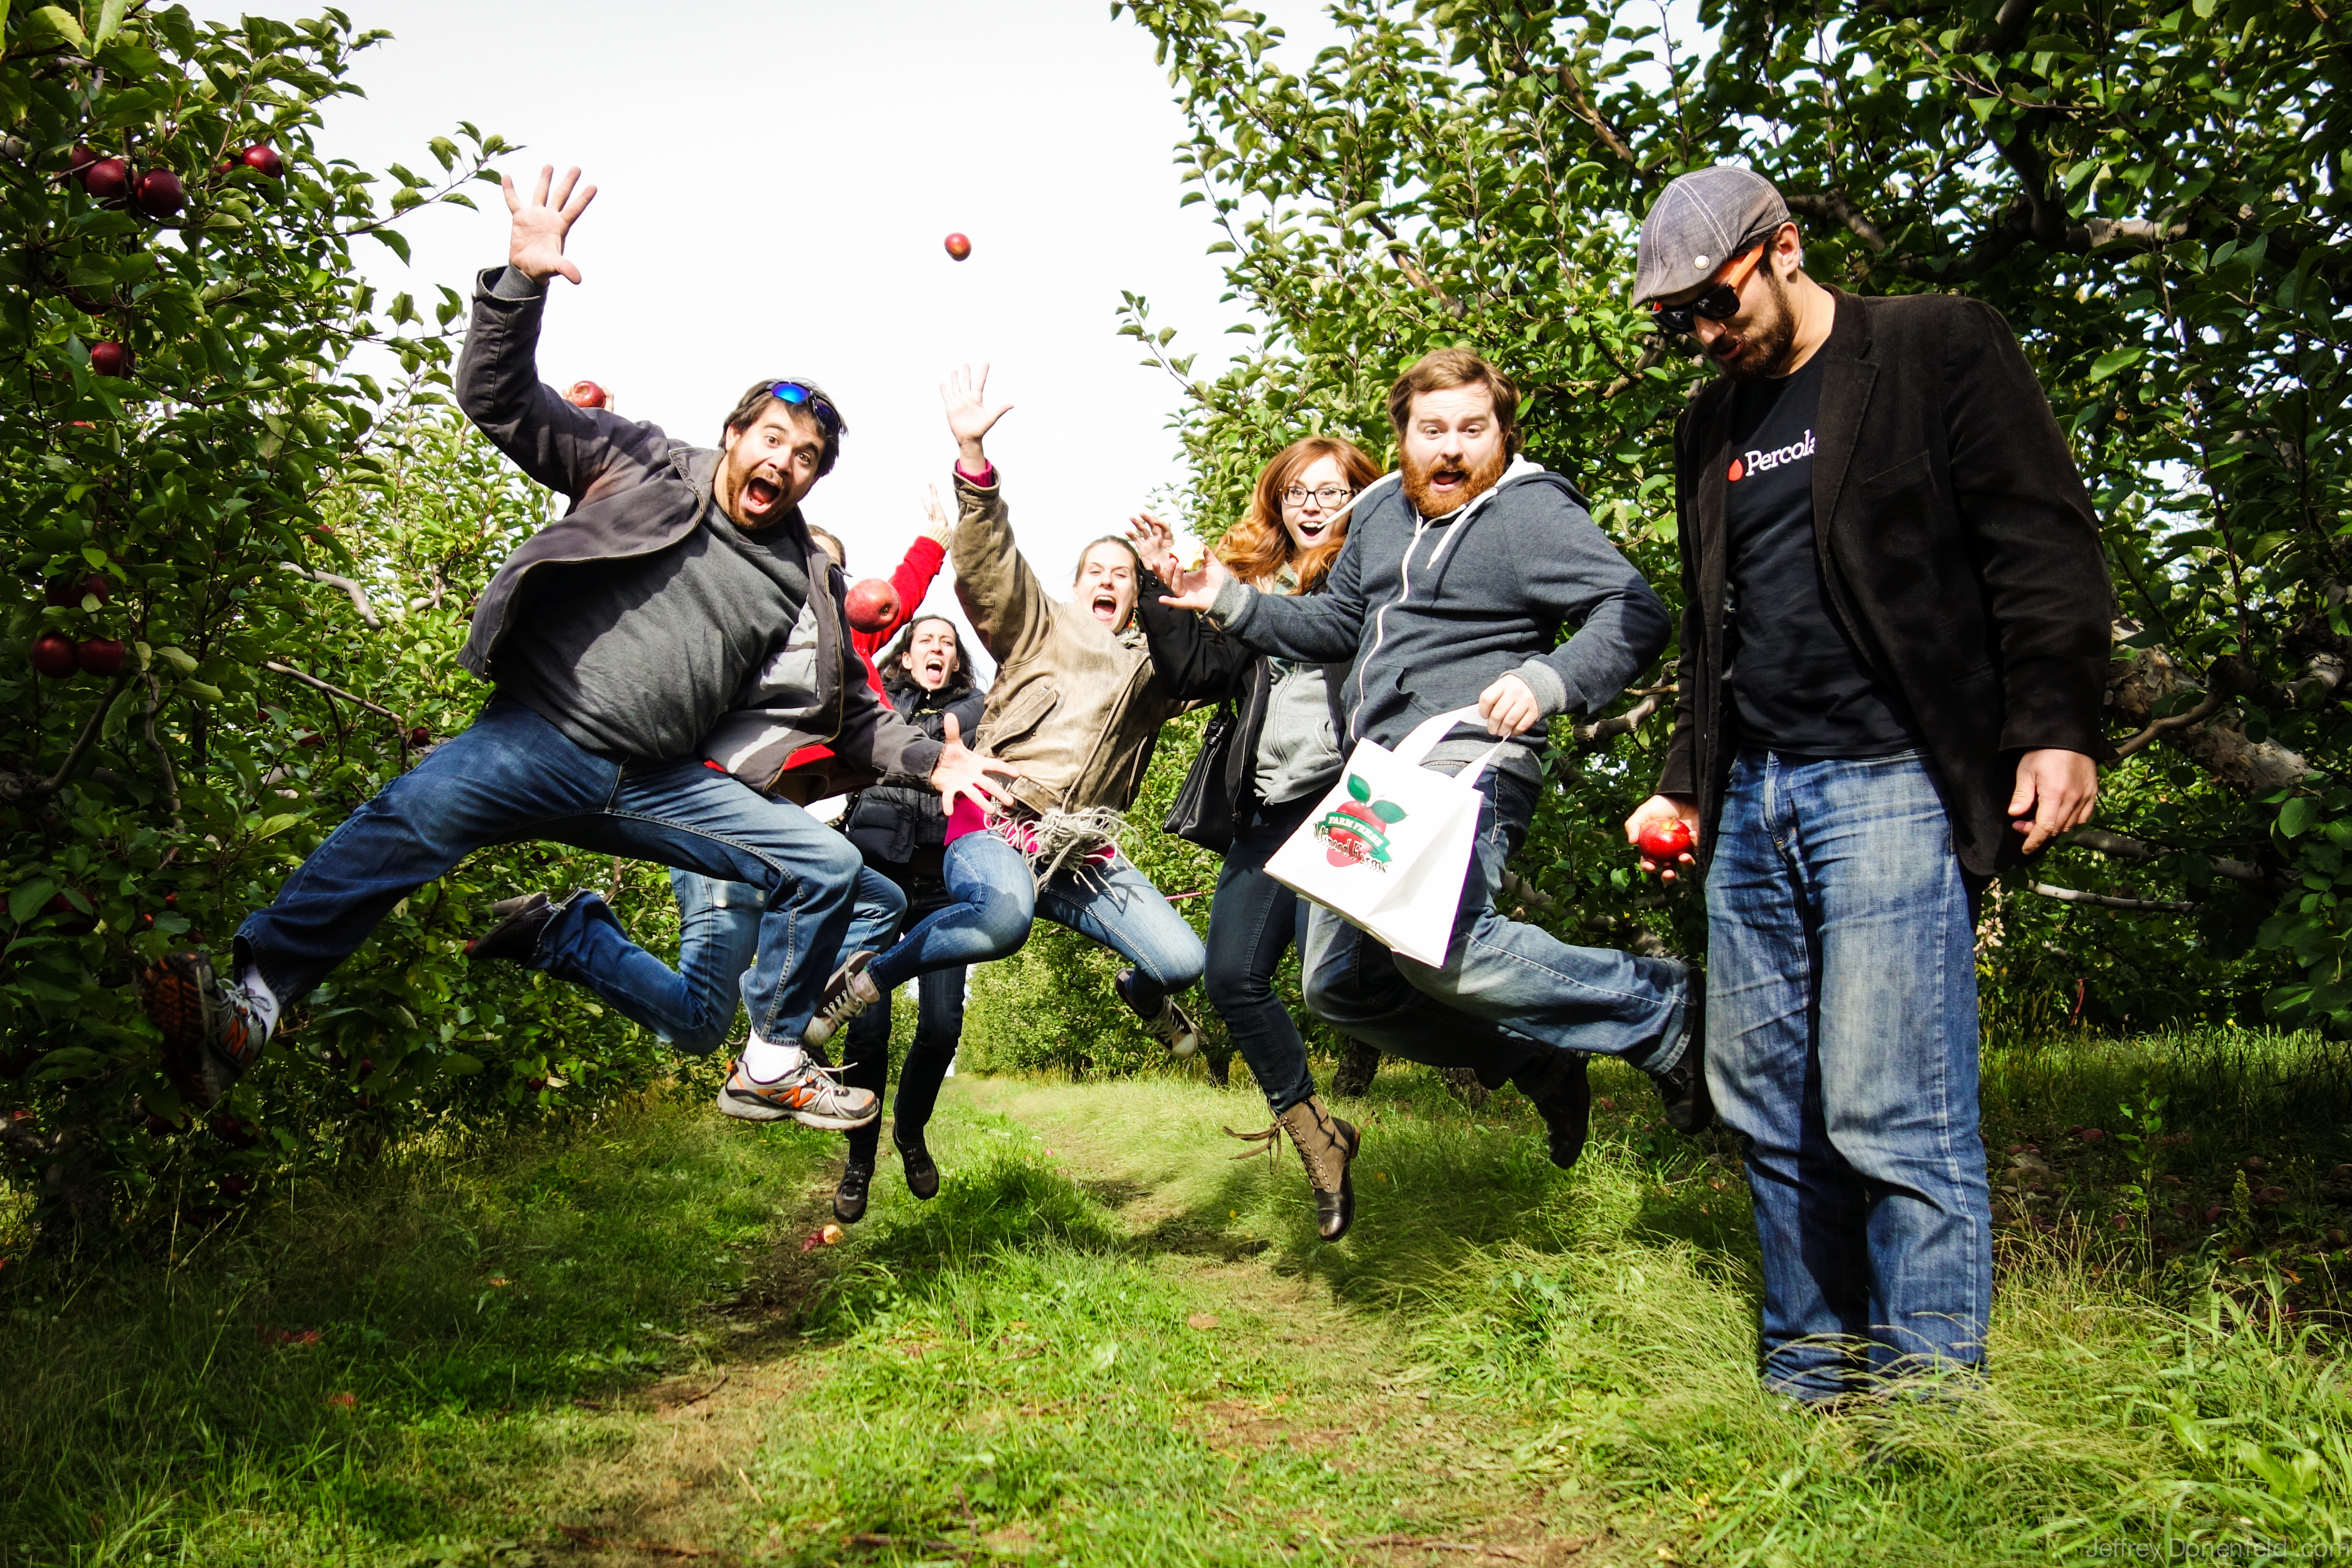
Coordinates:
1893 655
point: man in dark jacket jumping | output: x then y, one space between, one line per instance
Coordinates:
1893 654
617 638
1451 592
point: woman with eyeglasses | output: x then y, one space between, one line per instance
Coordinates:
1282 755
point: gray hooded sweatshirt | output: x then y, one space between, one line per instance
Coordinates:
1433 610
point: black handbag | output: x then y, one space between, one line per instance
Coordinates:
1203 813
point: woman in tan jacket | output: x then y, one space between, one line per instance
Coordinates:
1076 710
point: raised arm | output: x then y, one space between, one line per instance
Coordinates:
560 446
1008 607
1323 628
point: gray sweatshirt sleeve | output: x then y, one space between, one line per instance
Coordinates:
1317 628
1621 623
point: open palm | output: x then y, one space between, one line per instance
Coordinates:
535 247
970 417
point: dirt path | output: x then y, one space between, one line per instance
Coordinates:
1332 1444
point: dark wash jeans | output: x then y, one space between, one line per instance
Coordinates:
1253 921
939 1027
512 776
1841 1046
1508 993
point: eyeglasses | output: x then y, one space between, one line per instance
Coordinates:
1720 303
801 394
1329 495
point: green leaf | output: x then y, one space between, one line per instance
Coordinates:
1357 788
1388 811
179 659
25 900
2113 360
55 21
273 826
110 21
2295 818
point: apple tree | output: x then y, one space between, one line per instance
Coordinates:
240 565
2154 197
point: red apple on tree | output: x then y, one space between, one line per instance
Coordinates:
873 604
959 246
109 358
102 656
54 655
107 180
263 160
587 394
160 194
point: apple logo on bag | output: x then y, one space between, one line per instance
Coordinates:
1356 833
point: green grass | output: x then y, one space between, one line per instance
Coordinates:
1108 1343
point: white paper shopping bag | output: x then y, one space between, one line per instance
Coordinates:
1387 849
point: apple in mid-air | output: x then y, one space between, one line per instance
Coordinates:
959 246
873 604
587 394
1667 840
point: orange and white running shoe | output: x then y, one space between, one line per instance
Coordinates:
213 1031
811 1094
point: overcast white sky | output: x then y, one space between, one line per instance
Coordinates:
776 179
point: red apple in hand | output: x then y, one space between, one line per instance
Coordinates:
1666 841
265 161
54 655
159 193
102 656
959 246
873 604
587 394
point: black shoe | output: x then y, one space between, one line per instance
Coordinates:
849 991
518 921
922 1175
1682 1089
849 1197
1563 1098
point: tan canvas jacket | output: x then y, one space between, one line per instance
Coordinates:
1075 706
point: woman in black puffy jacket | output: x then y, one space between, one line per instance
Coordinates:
898 826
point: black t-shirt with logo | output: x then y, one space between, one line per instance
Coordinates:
1797 682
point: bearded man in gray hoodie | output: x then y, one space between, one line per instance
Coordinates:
1457 577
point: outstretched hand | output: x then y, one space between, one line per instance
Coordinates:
1155 543
1197 590
535 247
1659 811
969 416
961 771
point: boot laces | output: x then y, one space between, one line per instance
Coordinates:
1271 1138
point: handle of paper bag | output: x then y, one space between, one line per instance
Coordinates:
1430 731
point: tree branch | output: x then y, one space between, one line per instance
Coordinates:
1591 736
358 592
1580 104
2108 901
1831 207
2130 849
315 683
162 757
2164 727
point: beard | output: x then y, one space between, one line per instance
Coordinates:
1767 343
1481 479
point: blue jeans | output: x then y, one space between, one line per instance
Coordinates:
1508 994
996 899
512 776
1841 1047
1253 921
693 1006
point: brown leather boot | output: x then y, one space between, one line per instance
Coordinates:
1325 1144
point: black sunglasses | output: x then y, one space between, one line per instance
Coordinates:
1720 303
801 394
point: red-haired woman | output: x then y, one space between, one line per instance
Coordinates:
1283 756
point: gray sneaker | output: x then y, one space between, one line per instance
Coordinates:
811 1096
850 992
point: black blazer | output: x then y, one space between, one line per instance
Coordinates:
1197 662
1959 549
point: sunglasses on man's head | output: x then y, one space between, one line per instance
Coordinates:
1720 303
800 394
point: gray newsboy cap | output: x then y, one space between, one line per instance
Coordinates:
1699 222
